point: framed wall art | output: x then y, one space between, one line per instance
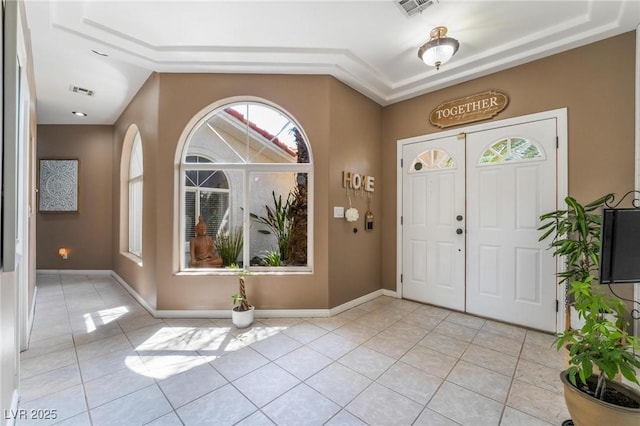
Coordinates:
59 185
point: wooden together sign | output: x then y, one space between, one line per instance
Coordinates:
469 109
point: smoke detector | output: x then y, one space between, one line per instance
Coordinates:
81 90
411 7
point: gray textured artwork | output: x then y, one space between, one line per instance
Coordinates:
58 185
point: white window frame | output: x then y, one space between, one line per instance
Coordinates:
247 169
135 189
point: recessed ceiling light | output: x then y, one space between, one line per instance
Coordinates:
79 114
97 52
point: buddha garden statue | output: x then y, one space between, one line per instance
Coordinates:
202 249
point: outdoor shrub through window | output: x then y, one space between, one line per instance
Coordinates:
246 169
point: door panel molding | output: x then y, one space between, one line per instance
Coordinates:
561 178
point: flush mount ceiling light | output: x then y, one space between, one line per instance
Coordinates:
79 113
439 49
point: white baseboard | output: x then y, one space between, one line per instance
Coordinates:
355 302
75 271
390 293
134 294
222 313
30 317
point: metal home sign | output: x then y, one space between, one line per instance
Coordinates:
467 110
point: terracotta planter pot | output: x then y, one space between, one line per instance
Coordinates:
242 319
586 410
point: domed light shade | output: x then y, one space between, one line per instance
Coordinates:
439 49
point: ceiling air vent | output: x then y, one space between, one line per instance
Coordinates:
411 7
82 90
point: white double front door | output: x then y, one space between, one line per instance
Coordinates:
470 211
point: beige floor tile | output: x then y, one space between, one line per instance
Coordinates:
256 419
378 405
163 364
537 402
456 331
50 361
490 359
49 383
265 384
328 324
480 380
466 320
447 345
301 405
333 345
189 385
137 408
303 362
237 364
224 406
406 330
367 362
276 346
344 418
357 333
113 386
305 332
430 361
507 330
63 405
498 343
339 383
102 347
111 362
433 311
429 417
349 360
410 382
512 417
421 320
465 407
544 355
539 375
389 345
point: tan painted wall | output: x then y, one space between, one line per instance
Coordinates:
143 112
87 234
355 266
595 83
344 131
309 99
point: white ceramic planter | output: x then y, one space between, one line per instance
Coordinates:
242 319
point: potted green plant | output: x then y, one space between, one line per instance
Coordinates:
242 312
601 348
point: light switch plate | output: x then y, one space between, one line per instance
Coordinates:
338 212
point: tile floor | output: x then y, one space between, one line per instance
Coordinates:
97 357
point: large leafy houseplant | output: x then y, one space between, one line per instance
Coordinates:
602 346
229 245
279 222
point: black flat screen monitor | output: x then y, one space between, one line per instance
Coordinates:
620 246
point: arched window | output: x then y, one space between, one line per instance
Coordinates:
206 195
511 149
246 169
135 197
434 159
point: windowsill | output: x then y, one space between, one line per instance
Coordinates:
132 257
230 272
